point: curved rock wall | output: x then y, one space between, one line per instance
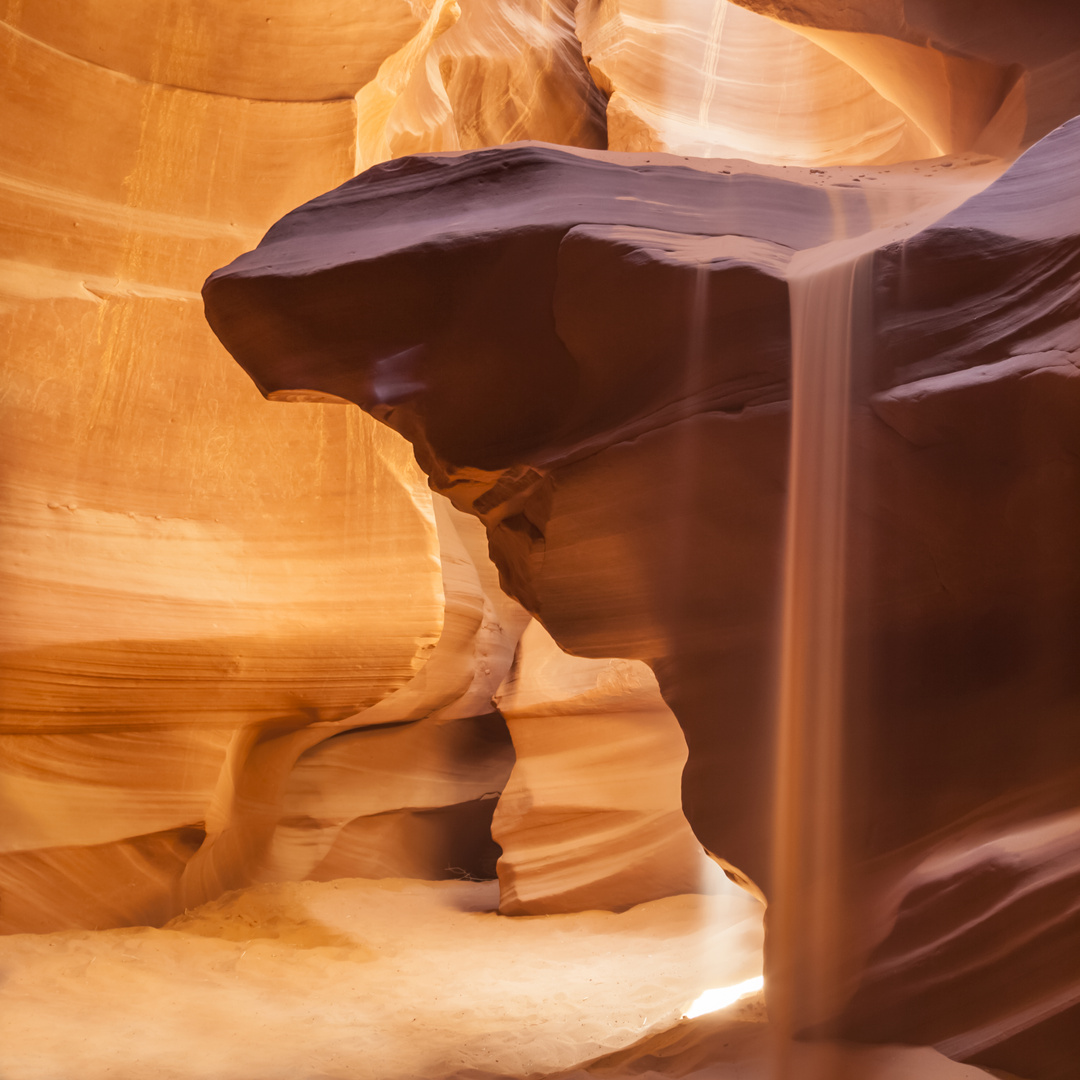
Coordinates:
182 560
993 76
633 490
480 73
591 815
716 80
211 677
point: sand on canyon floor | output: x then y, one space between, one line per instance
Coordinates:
384 980
364 980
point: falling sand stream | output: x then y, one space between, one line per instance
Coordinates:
805 923
810 959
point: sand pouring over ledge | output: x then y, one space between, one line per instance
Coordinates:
283 683
629 463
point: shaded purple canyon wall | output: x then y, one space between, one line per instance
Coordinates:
591 354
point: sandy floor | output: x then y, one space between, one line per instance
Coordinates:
362 979
395 979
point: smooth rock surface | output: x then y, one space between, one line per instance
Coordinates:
479 73
965 73
591 815
180 559
189 573
214 606
638 509
716 80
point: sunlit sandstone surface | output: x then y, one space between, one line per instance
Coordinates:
273 678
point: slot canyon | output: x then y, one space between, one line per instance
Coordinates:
541 540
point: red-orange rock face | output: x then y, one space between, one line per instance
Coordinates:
191 576
778 440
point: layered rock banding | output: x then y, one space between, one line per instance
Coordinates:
717 80
591 813
243 643
190 575
168 574
962 73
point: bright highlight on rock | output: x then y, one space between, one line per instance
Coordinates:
721 997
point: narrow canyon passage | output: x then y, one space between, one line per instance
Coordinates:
588 588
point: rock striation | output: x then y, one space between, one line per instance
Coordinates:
479 73
717 80
591 816
963 73
172 572
187 570
243 644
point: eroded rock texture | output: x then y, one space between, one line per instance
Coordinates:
479 73
591 816
592 356
716 80
962 72
243 643
168 577
192 577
